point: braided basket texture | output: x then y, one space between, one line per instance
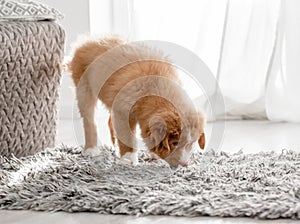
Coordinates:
30 69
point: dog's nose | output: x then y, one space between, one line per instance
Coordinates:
184 163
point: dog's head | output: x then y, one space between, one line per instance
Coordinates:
174 137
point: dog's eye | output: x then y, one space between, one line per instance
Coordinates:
174 144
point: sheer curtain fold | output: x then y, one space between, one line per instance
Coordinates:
259 73
282 89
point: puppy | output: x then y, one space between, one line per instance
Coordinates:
143 92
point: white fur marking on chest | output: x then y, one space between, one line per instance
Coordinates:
189 137
186 153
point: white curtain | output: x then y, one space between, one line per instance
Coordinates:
282 86
251 46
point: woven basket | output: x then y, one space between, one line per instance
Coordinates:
30 69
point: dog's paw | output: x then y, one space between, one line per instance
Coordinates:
91 152
130 158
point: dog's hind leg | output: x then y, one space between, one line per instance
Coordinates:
86 104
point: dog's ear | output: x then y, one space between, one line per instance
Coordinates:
158 130
201 140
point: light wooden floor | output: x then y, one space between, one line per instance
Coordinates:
251 136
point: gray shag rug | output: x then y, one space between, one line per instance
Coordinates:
265 185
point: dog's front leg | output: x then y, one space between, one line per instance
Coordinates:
128 154
126 139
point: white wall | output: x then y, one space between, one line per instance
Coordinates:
101 13
76 19
77 14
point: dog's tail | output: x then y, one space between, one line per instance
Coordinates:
87 52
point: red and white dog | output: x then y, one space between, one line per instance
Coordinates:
168 133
